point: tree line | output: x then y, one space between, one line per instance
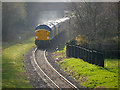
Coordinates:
97 22
22 17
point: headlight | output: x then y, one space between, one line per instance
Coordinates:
36 37
48 37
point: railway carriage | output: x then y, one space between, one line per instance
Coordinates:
45 32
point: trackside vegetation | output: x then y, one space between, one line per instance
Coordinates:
89 75
13 73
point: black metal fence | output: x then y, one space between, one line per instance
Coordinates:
91 56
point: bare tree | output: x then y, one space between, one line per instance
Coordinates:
96 21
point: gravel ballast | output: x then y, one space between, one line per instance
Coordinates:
34 78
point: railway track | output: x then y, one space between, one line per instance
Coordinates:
44 69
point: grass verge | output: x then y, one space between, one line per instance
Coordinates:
89 75
13 73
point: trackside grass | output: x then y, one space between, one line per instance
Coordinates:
88 75
13 73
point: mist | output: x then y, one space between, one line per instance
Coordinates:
45 16
20 19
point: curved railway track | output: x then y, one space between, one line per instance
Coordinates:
44 69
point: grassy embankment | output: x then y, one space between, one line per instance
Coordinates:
88 75
13 73
0 66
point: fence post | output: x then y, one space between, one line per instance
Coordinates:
96 59
93 57
74 54
67 50
76 51
100 59
70 50
79 52
84 54
87 55
90 56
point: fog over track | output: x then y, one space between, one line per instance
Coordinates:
20 18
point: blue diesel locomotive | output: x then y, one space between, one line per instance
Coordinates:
45 32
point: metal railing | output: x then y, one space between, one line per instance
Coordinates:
90 56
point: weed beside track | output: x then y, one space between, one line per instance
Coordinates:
88 75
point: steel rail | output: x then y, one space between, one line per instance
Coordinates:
51 81
47 77
68 82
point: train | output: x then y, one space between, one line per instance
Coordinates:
44 33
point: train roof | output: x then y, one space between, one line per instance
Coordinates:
48 25
43 27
